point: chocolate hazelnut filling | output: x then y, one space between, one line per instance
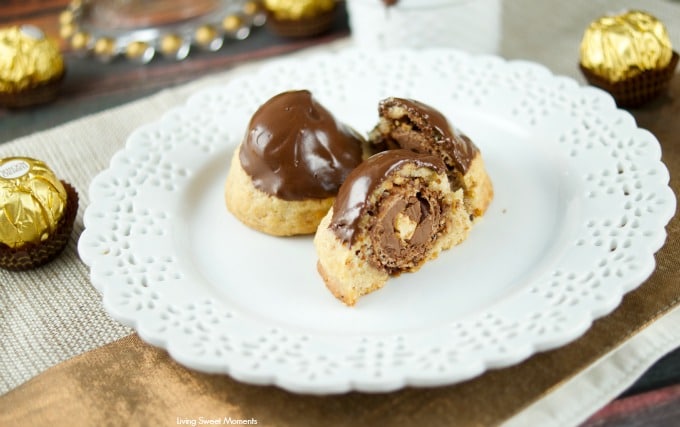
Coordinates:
388 212
405 228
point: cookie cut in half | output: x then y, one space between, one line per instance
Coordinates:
413 125
394 212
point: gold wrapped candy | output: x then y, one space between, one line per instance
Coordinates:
32 201
27 59
298 9
622 46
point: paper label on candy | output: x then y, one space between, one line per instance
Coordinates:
14 169
32 32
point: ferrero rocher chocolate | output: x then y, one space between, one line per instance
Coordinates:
622 46
29 62
300 18
37 212
298 9
628 55
32 201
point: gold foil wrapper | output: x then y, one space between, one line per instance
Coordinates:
27 59
623 46
32 201
298 9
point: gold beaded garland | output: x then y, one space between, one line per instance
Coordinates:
232 19
205 34
104 47
251 8
67 30
66 17
136 49
80 40
170 44
232 23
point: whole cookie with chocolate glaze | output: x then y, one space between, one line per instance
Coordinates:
413 125
393 213
285 174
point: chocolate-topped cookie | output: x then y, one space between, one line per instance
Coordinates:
413 125
393 213
287 171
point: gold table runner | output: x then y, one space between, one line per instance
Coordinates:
131 383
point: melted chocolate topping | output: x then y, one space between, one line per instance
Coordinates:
295 149
352 200
458 147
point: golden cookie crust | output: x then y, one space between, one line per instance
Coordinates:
267 213
478 189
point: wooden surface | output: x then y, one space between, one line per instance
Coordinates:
92 86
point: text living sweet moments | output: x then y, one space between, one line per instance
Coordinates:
215 421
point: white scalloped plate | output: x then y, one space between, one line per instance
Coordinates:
581 205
